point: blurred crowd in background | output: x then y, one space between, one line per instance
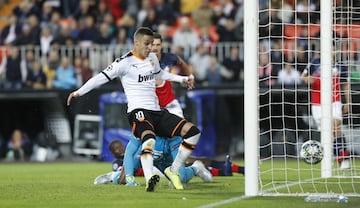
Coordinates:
60 44
50 43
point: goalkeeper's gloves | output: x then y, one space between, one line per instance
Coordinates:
130 181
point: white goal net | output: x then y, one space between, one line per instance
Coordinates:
293 37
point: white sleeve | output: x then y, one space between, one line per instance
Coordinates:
92 83
109 73
164 75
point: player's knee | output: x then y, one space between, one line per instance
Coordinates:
191 138
191 132
148 144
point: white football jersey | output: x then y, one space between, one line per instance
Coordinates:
138 79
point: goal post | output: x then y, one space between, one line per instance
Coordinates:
251 102
278 115
326 36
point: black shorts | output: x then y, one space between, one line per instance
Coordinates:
163 123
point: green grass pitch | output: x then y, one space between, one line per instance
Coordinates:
70 184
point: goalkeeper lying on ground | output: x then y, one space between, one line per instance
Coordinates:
164 151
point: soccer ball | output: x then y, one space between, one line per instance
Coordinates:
312 152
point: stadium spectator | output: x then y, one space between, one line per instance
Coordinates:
11 68
164 12
46 13
286 13
205 37
276 57
36 79
24 10
234 65
146 5
304 11
227 31
203 16
25 38
19 147
199 63
78 68
270 26
100 12
54 24
83 11
267 75
89 33
289 75
302 58
188 6
35 29
45 40
69 7
163 30
129 22
185 36
10 31
65 77
50 67
86 71
216 72
150 20
109 20
224 9
27 62
122 38
104 37
340 86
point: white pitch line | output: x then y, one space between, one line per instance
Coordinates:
227 201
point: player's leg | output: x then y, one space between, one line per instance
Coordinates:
131 160
340 149
171 125
187 173
144 129
104 178
191 135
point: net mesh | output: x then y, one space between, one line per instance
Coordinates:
289 40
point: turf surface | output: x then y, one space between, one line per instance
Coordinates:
71 185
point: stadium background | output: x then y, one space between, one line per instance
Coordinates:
30 109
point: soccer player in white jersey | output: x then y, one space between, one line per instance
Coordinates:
138 71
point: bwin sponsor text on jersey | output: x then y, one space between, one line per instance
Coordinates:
145 77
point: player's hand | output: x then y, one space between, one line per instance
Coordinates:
71 96
190 82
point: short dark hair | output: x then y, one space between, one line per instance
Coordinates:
112 143
141 31
157 36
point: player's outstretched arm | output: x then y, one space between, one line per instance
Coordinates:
189 81
91 84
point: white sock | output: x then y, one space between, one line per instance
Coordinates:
147 162
184 153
